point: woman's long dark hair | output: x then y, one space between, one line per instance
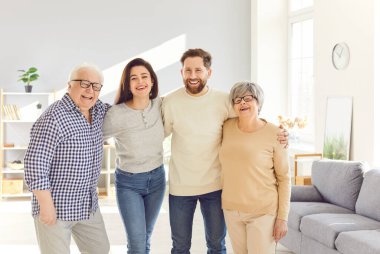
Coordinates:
124 92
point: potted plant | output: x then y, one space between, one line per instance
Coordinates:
27 77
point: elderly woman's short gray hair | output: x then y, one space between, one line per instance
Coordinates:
245 87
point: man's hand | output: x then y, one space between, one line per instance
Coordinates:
48 214
280 229
283 136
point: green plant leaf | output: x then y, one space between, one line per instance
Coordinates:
335 148
29 75
32 70
33 77
24 79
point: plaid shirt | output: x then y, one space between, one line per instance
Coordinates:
65 156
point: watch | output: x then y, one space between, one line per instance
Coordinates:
340 56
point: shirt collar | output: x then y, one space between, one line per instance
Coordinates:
70 105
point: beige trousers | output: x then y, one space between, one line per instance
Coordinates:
250 234
89 235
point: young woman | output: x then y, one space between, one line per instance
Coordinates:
135 123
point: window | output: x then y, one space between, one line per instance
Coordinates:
301 88
296 5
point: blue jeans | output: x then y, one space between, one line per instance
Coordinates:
139 198
182 208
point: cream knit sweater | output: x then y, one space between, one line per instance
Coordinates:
196 127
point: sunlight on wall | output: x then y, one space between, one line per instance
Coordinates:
159 57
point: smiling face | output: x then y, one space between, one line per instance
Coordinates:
195 75
84 98
247 107
247 99
140 82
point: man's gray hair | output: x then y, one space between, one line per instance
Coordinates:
243 87
86 66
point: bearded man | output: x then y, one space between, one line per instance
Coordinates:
194 115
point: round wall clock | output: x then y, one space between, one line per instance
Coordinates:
341 56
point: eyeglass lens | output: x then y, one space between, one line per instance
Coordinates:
246 98
87 84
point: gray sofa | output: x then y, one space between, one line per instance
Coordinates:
339 213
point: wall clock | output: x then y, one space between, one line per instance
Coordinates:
340 56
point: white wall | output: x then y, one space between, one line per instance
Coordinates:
376 93
351 22
269 54
56 35
334 21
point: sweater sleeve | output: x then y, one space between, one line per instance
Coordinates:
108 129
281 167
166 117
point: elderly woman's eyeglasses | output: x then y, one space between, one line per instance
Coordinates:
86 84
246 98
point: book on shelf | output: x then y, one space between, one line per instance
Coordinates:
11 112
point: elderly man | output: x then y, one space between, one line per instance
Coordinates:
62 166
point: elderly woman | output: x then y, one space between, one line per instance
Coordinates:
255 175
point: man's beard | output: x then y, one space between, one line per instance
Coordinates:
195 89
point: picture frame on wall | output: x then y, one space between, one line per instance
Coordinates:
338 128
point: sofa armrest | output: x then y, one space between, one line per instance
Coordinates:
305 194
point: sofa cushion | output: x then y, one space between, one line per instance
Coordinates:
310 246
305 193
301 209
362 241
368 203
325 227
338 182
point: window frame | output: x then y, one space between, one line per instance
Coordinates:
296 17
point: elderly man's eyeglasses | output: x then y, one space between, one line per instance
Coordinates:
246 98
86 84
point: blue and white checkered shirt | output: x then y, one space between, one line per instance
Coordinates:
65 156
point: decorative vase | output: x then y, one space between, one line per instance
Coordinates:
293 136
28 89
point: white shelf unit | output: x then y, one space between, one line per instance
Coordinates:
106 184
18 113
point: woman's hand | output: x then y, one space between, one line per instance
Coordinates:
280 229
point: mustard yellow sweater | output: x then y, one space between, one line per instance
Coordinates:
255 171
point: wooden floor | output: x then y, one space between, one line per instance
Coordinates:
17 230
